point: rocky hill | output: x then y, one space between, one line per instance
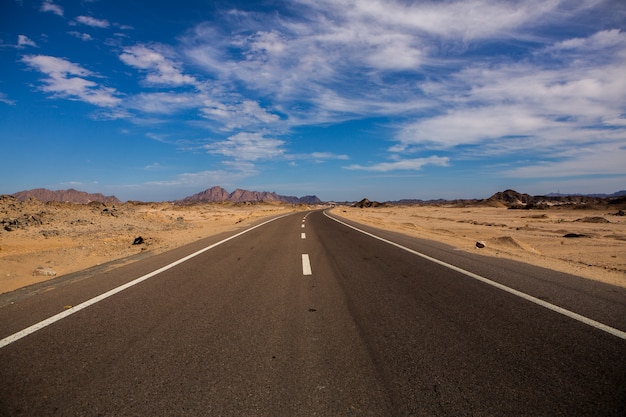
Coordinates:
66 196
218 194
513 199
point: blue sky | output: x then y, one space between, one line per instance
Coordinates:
158 100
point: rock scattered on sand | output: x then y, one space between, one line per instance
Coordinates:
44 272
480 244
138 240
574 235
594 219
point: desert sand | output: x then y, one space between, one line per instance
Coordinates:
54 239
41 241
530 236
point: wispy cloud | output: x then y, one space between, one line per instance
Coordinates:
81 36
93 22
4 99
163 102
23 41
596 160
550 104
159 68
414 164
49 6
66 79
328 155
237 115
247 146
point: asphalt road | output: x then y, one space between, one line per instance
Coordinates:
304 316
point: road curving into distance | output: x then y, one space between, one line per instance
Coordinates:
304 315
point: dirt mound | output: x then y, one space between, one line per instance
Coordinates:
509 242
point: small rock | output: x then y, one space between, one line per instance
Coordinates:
574 235
44 272
480 244
595 219
138 241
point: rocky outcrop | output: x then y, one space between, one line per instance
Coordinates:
64 196
365 203
510 197
514 200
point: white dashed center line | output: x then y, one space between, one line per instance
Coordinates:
303 235
306 265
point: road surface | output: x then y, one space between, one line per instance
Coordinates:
306 316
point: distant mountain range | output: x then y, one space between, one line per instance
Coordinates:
71 196
211 195
218 194
621 193
510 198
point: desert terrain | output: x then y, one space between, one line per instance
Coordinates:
40 241
595 246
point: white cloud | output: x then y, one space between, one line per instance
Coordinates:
163 103
414 164
23 40
598 41
530 105
237 115
161 70
339 56
93 22
49 6
81 36
328 155
459 19
247 146
65 79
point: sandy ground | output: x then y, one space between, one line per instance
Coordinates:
60 238
531 236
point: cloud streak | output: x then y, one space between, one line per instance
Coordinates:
415 164
93 22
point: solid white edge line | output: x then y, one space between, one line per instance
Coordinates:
557 309
44 323
306 265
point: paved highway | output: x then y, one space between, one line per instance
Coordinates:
306 316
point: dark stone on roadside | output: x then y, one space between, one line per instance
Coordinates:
138 241
574 235
480 244
44 272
